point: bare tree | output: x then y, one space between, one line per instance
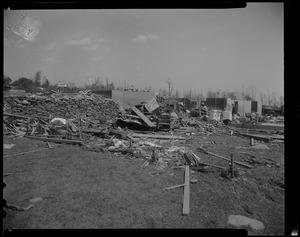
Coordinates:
37 79
269 99
261 97
253 91
201 95
274 99
162 93
209 94
107 84
281 100
170 86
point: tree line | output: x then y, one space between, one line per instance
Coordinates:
249 93
26 84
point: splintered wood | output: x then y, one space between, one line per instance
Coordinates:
142 116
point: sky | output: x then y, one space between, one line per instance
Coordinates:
197 49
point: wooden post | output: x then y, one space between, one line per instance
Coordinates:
224 158
251 141
231 166
186 192
79 124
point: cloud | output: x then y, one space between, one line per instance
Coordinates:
97 58
80 42
50 46
14 43
143 38
86 43
48 59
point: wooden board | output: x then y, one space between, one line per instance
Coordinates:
47 139
157 136
175 186
263 137
15 115
142 116
224 158
258 126
186 191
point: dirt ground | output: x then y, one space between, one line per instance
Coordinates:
85 189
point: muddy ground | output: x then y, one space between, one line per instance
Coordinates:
85 189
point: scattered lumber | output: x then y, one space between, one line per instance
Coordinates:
175 186
26 152
224 158
122 134
131 116
256 137
142 116
186 191
93 130
220 167
276 127
47 139
15 115
157 136
197 158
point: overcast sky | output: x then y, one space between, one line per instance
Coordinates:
197 49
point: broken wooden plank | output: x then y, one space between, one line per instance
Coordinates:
131 116
256 137
276 127
47 139
26 152
224 158
15 115
186 192
216 166
94 130
266 138
175 186
197 158
157 136
142 116
121 134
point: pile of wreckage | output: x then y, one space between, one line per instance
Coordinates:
142 131
97 124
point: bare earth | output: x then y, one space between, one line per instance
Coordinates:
85 189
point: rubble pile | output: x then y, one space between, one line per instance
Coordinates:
95 110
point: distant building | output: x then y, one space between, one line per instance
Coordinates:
219 103
246 106
61 85
124 98
241 107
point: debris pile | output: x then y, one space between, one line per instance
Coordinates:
142 132
94 110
